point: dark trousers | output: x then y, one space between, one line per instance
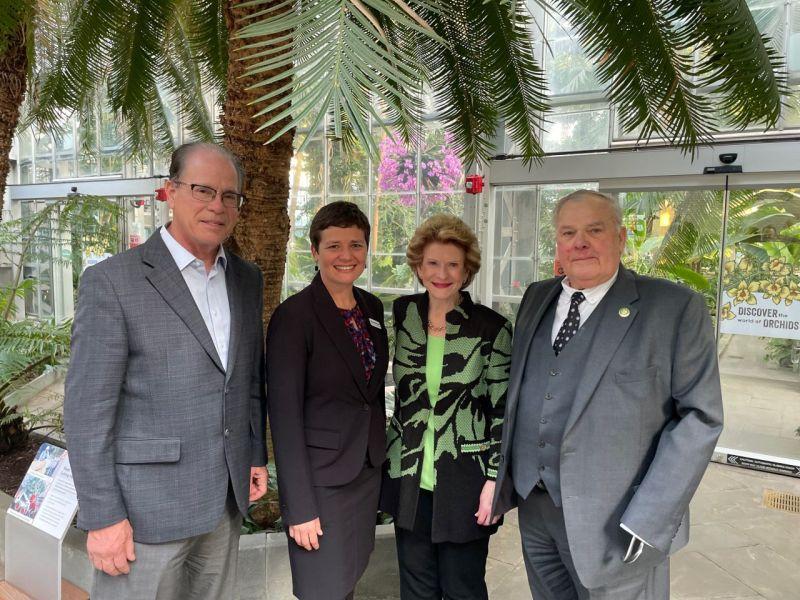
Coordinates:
445 570
548 560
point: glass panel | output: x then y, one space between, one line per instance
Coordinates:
675 235
109 134
391 271
139 219
44 170
44 146
393 222
576 127
793 51
759 347
25 145
349 171
65 143
308 169
87 165
111 164
514 240
26 172
569 71
65 168
300 264
31 298
792 111
453 204
440 167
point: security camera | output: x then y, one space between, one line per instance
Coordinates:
727 158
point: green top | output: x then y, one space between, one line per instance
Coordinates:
433 377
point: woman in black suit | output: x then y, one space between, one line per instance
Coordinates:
327 354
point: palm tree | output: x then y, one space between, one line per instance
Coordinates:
16 34
302 59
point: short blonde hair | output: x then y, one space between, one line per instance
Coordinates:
445 229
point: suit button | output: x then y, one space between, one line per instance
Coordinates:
541 467
548 396
554 372
227 432
365 408
226 389
543 421
542 444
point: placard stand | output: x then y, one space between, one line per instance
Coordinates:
36 525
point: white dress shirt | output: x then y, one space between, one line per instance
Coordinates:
208 290
593 297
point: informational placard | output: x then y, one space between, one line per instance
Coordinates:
46 497
761 299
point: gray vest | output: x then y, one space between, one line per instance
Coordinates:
548 390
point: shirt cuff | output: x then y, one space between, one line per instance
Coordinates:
633 533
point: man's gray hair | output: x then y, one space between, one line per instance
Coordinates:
578 195
183 152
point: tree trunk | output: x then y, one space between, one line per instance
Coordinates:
263 229
13 76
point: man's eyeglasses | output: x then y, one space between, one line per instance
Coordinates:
207 194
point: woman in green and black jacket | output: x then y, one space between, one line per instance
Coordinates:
451 365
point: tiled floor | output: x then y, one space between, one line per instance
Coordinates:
738 548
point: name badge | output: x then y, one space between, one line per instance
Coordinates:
374 323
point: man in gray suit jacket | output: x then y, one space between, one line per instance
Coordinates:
164 409
613 411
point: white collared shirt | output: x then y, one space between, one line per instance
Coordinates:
593 297
208 290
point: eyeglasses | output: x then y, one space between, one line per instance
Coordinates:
207 194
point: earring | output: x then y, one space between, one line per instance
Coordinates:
316 267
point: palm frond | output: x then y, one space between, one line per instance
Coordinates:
339 58
520 93
208 39
741 65
644 59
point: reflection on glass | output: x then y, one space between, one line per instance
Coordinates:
308 169
578 127
349 171
393 222
44 146
111 164
65 168
569 70
87 165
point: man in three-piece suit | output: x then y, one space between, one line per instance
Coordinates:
165 405
613 411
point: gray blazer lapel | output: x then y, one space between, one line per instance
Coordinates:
607 338
528 319
165 277
233 283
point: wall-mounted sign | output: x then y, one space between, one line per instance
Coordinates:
761 299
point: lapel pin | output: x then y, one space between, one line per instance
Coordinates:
624 312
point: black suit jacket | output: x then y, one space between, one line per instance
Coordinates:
324 416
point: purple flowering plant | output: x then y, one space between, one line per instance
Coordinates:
440 168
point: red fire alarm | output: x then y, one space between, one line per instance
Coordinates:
474 184
161 194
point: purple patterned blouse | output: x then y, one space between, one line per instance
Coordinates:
356 326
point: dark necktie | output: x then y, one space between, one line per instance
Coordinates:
570 325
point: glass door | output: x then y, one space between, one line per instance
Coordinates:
759 328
